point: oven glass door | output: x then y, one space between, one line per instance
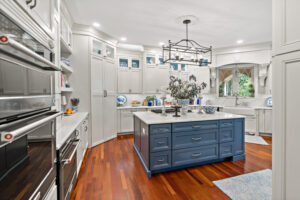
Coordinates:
27 164
12 31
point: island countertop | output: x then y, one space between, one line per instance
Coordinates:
154 118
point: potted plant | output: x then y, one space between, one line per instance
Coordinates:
183 91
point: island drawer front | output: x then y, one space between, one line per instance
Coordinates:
160 128
226 150
182 140
194 126
160 142
194 155
160 160
226 134
226 123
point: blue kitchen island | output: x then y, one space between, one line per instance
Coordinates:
165 143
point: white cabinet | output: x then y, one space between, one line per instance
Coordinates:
66 36
103 99
129 74
42 12
286 95
155 78
125 119
264 121
286 26
83 145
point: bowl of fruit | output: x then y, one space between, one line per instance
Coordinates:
135 103
69 112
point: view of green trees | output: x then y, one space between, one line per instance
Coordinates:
245 85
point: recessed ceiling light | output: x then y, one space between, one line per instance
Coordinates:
123 39
240 41
95 24
161 43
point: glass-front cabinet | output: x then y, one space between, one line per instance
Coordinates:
110 52
135 63
97 48
123 63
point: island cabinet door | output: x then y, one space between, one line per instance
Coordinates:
137 133
239 137
145 143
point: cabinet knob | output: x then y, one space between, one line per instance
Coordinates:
34 4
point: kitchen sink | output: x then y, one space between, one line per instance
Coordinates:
239 110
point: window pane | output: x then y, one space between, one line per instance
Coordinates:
245 85
226 82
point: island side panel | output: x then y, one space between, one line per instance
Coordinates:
137 133
239 139
145 143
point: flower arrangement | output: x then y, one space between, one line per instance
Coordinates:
185 89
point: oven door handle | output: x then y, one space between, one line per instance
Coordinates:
9 137
69 160
31 53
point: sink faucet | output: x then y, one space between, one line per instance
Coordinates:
236 99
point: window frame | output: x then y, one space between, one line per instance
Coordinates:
235 67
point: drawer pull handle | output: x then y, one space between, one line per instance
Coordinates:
160 142
227 123
195 139
161 160
163 129
196 126
226 150
196 154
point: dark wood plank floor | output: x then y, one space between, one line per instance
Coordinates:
113 171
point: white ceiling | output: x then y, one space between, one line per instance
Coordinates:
148 22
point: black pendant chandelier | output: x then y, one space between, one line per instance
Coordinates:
187 51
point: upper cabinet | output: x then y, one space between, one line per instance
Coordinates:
286 26
42 12
129 73
65 36
110 52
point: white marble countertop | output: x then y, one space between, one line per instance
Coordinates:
263 108
152 107
154 118
68 125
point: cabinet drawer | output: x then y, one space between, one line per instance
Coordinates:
160 160
226 150
194 126
194 155
160 142
195 138
226 134
226 123
160 128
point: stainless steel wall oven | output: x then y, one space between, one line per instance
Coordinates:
27 123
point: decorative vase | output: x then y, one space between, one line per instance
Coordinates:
184 105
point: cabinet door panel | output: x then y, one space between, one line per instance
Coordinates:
135 81
110 77
123 81
97 119
268 121
126 121
97 75
109 117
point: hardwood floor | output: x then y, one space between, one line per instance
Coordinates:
113 171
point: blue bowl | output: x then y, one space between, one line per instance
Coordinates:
209 109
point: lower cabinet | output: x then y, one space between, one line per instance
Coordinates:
83 143
164 147
125 120
264 121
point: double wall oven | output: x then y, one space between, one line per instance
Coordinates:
27 123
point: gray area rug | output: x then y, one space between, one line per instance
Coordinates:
255 139
251 186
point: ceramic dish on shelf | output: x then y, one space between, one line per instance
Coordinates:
269 102
121 99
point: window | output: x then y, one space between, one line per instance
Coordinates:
174 66
236 79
